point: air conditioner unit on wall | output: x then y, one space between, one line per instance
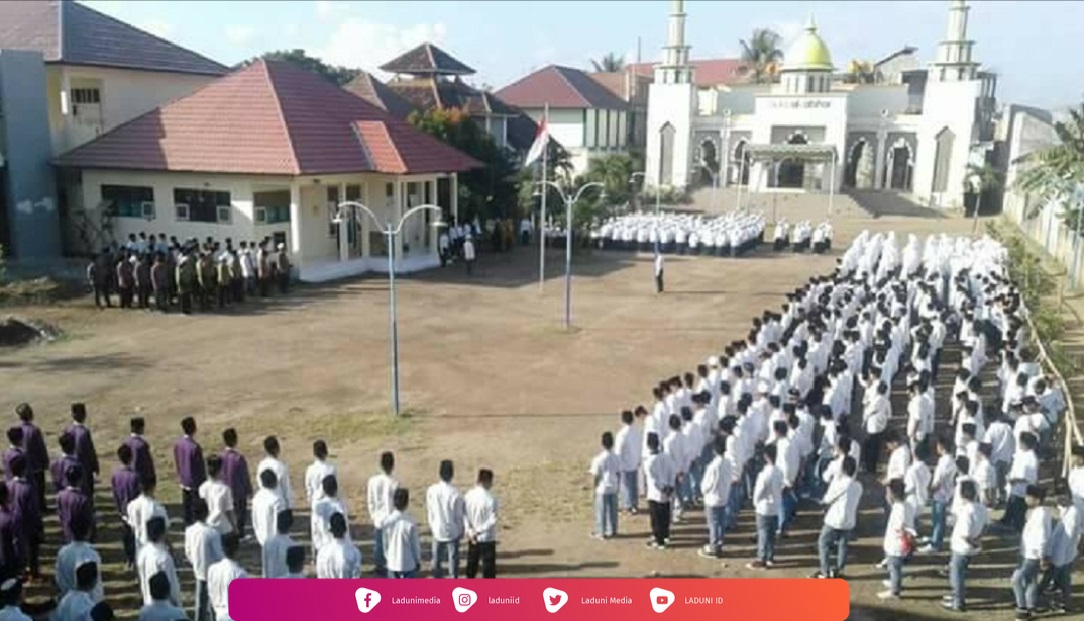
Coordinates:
181 211
147 209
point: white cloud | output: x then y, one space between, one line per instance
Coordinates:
156 27
240 35
367 45
326 9
788 30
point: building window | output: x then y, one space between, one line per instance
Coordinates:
129 201
202 205
86 96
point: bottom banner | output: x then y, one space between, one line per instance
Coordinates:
526 599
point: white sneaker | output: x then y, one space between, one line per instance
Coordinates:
927 549
886 584
887 595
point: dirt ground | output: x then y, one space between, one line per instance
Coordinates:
489 379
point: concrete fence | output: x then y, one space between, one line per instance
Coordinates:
1043 225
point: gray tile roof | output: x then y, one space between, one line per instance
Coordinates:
71 33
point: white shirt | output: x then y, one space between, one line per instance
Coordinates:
842 499
605 467
1035 543
219 500
768 491
898 461
1065 540
468 250
379 495
788 459
140 511
900 519
1025 466
153 558
266 505
69 558
273 556
202 548
971 519
627 445
1076 485
282 471
219 577
338 559
75 606
916 483
314 479
480 509
444 510
402 547
877 413
944 479
1001 439
674 446
659 473
658 264
322 510
155 611
715 485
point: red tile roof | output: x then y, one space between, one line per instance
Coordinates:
706 72
270 118
427 59
560 87
372 90
71 33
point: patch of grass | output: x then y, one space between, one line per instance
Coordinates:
362 424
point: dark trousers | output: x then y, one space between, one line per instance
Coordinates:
658 283
204 294
525 237
660 520
33 554
470 266
265 286
223 295
284 282
144 297
486 553
186 302
102 296
161 300
188 499
128 539
871 452
126 295
38 479
1015 513
443 258
238 290
240 511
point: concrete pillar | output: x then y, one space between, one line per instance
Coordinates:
297 212
366 221
454 192
879 163
400 200
434 231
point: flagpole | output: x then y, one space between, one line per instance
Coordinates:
545 190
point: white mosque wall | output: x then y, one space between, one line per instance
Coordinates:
950 105
674 104
869 101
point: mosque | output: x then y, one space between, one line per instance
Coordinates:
912 130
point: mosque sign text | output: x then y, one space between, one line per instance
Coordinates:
805 104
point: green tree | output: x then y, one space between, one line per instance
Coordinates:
610 63
615 172
761 55
558 170
1057 172
980 180
487 192
338 75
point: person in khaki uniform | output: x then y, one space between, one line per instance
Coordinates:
208 281
224 280
143 281
237 280
160 282
125 281
187 280
263 269
282 264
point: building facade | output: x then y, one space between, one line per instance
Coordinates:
810 131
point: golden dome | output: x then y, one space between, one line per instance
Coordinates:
808 52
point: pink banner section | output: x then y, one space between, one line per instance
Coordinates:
530 599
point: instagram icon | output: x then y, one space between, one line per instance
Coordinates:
463 599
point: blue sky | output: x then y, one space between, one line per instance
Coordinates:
1035 46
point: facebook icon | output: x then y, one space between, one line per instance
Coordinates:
367 599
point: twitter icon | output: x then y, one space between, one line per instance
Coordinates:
554 599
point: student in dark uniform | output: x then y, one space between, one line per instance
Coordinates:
98 276
84 445
282 264
125 280
37 456
160 282
12 562
188 458
126 488
59 468
142 461
208 281
187 280
26 515
235 474
72 503
143 284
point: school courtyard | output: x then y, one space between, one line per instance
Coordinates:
489 379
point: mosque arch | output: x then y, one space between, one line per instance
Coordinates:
854 158
708 161
945 141
790 173
740 164
899 167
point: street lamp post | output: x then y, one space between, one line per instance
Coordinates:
391 231
569 202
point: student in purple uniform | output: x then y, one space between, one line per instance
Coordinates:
126 488
84 446
235 475
15 447
59 468
72 502
12 560
188 458
142 461
37 456
26 514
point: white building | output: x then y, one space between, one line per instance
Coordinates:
812 132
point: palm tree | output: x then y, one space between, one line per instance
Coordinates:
1058 171
614 171
860 72
981 179
761 55
610 63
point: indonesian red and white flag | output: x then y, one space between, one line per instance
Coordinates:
538 147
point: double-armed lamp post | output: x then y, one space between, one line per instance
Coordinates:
391 232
